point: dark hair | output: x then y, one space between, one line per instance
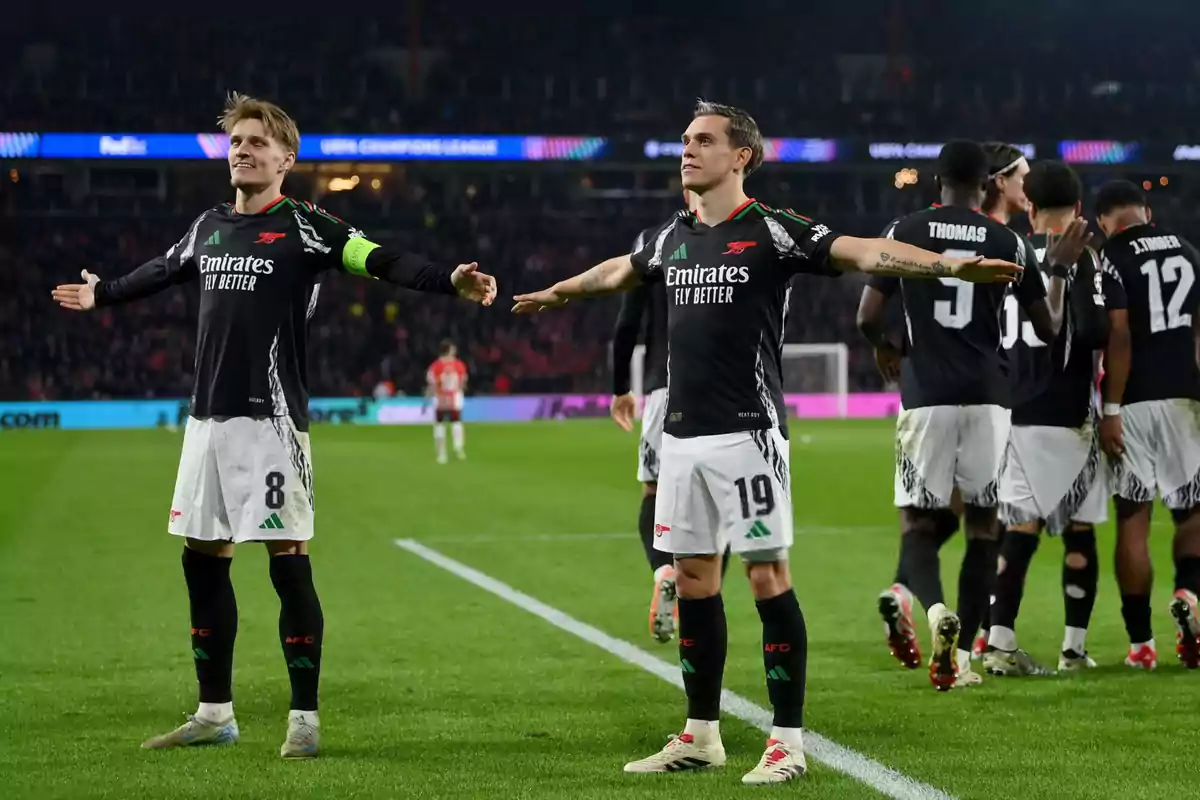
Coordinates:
1119 194
445 347
1053 184
962 164
1002 160
743 130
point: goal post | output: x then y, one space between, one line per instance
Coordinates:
819 368
822 368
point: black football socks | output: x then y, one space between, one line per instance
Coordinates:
703 642
214 623
976 579
1018 549
785 657
921 566
301 627
1080 580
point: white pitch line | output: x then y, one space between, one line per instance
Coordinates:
833 755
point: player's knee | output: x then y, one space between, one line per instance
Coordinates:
649 489
981 523
1079 543
287 548
1186 517
1128 509
1187 532
218 549
919 522
698 576
768 573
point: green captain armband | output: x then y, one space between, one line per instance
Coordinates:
354 255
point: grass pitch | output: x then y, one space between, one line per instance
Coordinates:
434 688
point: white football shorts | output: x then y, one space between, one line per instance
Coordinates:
243 479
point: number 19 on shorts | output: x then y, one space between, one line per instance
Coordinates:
756 495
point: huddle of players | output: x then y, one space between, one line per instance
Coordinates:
1007 414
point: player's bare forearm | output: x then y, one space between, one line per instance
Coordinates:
870 318
1047 317
614 275
1118 357
888 257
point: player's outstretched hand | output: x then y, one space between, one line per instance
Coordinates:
1112 437
986 270
1068 247
474 285
536 301
77 296
622 409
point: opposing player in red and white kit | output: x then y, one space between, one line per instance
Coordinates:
445 382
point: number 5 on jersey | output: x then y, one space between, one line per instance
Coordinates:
956 314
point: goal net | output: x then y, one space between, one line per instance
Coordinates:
820 370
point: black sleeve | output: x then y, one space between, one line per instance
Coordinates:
625 335
406 269
1115 297
647 255
1193 255
342 246
1030 288
805 245
175 267
1088 308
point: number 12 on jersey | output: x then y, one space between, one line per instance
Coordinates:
1173 269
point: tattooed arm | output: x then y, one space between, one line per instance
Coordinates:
891 257
614 275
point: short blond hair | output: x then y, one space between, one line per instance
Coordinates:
275 120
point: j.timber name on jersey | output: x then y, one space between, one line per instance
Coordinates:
1152 244
699 285
233 273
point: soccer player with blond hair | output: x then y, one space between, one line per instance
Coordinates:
245 473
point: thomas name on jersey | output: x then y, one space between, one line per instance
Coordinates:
705 285
958 232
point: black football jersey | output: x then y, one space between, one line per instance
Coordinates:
728 288
259 277
643 313
1154 277
1054 384
953 352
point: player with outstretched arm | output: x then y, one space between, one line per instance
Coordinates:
245 474
724 477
